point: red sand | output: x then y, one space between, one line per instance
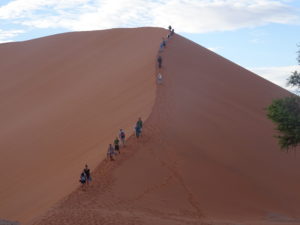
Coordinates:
63 100
207 155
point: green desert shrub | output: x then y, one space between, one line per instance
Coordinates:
285 113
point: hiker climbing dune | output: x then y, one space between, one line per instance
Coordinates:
159 61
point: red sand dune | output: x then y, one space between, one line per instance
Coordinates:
63 99
207 155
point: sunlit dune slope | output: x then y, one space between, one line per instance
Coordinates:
63 99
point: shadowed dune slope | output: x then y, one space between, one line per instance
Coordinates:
63 98
207 155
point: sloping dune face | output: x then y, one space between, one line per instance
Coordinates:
207 155
217 141
63 100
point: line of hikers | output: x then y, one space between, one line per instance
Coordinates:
112 149
115 148
163 44
85 176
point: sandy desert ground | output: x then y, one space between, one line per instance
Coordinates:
63 100
207 155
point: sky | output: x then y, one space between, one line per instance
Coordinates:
259 35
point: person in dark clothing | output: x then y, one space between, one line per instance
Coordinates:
110 152
122 136
87 174
172 32
82 179
139 124
117 146
159 60
164 43
170 27
137 131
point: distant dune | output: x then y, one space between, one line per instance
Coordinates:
207 155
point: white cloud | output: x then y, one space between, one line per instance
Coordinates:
99 15
27 8
277 75
205 16
192 16
6 35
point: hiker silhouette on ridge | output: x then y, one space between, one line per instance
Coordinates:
137 131
172 32
87 174
122 136
164 43
110 152
139 124
82 180
159 60
159 78
117 146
